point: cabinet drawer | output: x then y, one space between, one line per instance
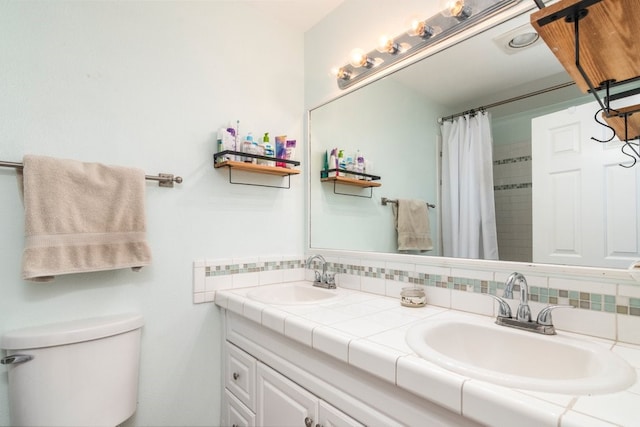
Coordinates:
235 413
240 375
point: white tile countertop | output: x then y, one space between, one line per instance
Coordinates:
368 331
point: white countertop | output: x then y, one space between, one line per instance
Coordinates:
368 331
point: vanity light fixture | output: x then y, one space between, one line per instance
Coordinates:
455 16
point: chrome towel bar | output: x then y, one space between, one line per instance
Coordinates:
164 179
386 201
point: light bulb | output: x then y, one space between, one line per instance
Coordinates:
341 73
455 8
360 59
387 45
419 27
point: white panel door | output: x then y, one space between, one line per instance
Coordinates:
330 416
283 403
585 206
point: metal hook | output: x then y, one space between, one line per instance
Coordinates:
635 160
595 117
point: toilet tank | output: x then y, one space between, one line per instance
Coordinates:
78 373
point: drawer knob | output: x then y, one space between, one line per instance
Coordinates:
308 422
236 375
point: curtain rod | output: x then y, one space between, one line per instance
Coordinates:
507 101
164 179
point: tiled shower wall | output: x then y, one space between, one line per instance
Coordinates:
512 192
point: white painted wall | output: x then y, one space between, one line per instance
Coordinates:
147 84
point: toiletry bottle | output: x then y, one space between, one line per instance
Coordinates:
256 149
359 164
281 148
325 164
247 147
225 143
333 161
290 151
350 165
342 162
235 145
268 150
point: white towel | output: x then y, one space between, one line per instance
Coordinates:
412 223
82 217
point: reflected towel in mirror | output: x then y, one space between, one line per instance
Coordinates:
412 223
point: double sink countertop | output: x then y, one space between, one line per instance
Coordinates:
368 331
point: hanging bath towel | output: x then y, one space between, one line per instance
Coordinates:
82 217
412 223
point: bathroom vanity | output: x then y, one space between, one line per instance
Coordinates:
344 361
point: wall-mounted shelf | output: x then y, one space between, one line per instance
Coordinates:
351 181
595 42
219 162
367 181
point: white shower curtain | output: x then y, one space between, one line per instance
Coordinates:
468 208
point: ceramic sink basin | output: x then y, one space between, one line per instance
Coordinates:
292 293
521 359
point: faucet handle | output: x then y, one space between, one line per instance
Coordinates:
504 308
318 276
329 278
544 316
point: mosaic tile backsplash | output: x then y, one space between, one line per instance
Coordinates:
583 300
296 266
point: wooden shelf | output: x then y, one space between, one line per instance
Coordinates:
616 121
250 167
608 34
350 181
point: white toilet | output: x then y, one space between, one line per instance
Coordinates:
78 373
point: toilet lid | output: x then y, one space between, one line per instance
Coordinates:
70 332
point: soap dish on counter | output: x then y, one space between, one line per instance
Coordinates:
413 297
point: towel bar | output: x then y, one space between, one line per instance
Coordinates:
386 201
164 179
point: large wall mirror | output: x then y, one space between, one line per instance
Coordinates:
393 122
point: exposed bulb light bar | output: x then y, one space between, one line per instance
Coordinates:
456 16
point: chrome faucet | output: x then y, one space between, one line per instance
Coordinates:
543 323
326 279
524 312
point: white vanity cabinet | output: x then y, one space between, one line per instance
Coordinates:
257 395
273 380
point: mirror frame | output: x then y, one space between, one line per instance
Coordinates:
599 274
